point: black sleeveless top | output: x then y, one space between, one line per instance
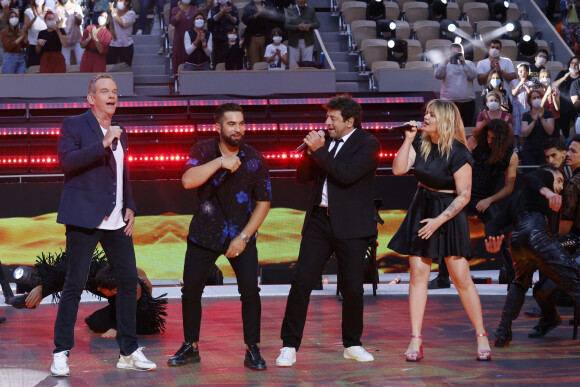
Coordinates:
485 176
198 56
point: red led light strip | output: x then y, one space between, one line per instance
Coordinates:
248 127
13 160
158 158
124 104
35 160
373 100
12 106
299 101
177 129
59 105
215 102
302 126
13 131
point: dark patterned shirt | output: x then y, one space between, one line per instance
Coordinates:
571 195
224 209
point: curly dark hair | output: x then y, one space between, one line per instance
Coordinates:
501 139
106 278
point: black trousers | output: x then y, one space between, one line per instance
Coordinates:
198 263
533 248
80 245
103 319
318 243
120 54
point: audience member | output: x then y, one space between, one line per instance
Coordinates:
4 15
96 41
493 112
569 9
301 21
99 6
539 61
144 10
494 83
221 19
14 41
520 90
122 48
537 126
182 19
563 83
234 55
198 46
495 62
551 99
555 153
260 17
71 20
33 24
457 75
276 53
49 46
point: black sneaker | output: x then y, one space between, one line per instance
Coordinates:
534 312
502 337
543 327
186 354
439 283
254 359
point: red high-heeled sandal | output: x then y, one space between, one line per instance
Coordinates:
415 356
483 354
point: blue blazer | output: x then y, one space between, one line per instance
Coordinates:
89 190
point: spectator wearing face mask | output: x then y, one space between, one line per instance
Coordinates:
14 41
551 98
537 127
182 19
301 21
49 46
539 61
121 48
4 16
260 18
234 56
198 46
70 15
495 62
276 53
99 6
494 83
570 11
493 112
96 41
563 83
520 90
33 24
222 19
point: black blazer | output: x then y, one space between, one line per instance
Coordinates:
88 194
351 184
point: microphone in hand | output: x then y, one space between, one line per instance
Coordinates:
303 146
115 140
403 128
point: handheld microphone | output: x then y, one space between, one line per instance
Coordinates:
403 128
115 140
226 172
304 146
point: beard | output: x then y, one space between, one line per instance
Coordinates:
232 142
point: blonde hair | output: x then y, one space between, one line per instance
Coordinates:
450 127
545 72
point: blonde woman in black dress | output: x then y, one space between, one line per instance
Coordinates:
436 225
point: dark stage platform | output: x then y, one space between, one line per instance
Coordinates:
449 343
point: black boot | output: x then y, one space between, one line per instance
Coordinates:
19 301
186 354
5 285
254 359
511 309
439 282
544 326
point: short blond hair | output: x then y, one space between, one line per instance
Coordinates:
95 79
450 127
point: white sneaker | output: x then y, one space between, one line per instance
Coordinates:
357 353
139 32
136 361
287 357
59 366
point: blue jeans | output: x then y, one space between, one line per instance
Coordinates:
159 4
14 63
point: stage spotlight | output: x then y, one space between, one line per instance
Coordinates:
386 29
513 30
527 48
498 9
447 29
376 10
25 276
397 50
437 9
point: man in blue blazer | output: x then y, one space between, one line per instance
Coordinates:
340 218
97 206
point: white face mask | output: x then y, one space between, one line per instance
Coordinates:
495 82
51 23
536 103
541 61
199 23
573 70
5 3
186 2
232 37
493 52
39 3
545 81
277 39
13 21
102 20
120 5
493 106
223 1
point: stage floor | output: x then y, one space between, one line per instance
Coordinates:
449 345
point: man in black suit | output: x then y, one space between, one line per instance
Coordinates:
96 205
340 219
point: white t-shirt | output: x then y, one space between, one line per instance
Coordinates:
277 62
37 26
115 220
483 67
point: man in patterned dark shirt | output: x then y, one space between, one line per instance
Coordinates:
234 194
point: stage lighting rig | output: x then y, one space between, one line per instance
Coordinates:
498 9
437 9
386 29
447 29
513 30
376 10
397 51
527 48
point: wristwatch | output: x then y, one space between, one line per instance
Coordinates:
244 237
